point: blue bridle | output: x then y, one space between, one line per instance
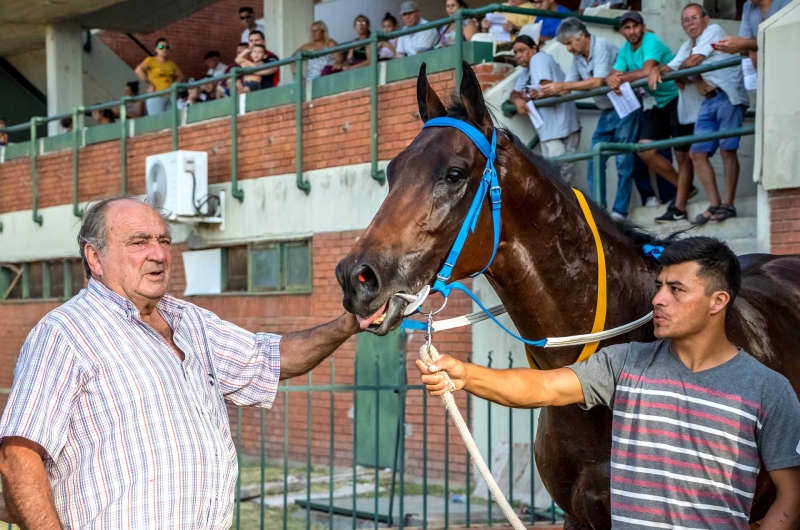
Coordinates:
489 184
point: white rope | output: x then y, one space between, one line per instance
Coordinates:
554 342
429 355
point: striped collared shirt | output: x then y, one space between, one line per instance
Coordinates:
135 438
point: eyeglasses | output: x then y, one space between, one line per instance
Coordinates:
246 17
163 46
689 20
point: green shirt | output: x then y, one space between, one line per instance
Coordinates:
651 48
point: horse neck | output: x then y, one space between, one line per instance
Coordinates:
546 274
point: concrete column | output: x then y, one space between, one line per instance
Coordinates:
64 69
288 26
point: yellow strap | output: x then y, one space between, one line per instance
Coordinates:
602 298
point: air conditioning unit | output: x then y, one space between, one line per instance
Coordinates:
177 182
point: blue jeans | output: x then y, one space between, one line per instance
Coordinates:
611 129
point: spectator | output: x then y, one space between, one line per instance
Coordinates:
255 80
593 60
754 13
320 40
190 96
103 117
270 77
358 57
642 52
214 63
549 24
560 132
3 135
133 109
612 4
66 124
725 102
209 91
160 72
514 22
222 87
387 49
447 34
248 19
419 42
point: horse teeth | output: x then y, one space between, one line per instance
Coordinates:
378 321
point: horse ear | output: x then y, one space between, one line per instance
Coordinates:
430 106
472 97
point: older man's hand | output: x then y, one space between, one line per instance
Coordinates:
729 44
552 89
5 516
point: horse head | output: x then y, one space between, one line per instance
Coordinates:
431 186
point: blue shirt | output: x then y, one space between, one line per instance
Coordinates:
651 48
550 25
752 17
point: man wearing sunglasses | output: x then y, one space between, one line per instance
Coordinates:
160 72
248 19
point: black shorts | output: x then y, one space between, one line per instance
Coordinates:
662 124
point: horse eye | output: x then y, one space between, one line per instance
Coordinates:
454 175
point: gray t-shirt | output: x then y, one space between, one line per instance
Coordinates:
752 17
559 120
686 447
602 56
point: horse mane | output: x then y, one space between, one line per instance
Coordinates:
635 234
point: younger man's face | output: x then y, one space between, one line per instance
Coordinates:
684 302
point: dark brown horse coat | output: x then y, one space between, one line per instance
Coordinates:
545 273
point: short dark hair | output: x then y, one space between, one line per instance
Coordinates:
66 122
246 9
702 9
160 40
718 264
134 86
256 32
527 41
245 44
3 119
210 54
260 46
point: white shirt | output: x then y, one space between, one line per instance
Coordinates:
559 120
729 80
419 42
246 32
218 70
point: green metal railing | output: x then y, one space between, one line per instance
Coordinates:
299 88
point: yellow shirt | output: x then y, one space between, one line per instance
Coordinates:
161 75
521 20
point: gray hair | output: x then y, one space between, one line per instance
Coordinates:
570 28
702 9
94 231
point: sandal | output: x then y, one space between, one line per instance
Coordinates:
724 212
702 218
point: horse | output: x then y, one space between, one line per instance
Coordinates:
545 273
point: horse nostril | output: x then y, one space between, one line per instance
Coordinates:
364 278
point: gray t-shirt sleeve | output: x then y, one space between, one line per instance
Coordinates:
599 375
522 80
604 60
745 28
779 438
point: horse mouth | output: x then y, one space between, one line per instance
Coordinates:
387 318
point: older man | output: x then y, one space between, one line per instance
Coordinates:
560 130
420 41
117 415
725 102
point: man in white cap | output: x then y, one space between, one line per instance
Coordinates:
419 42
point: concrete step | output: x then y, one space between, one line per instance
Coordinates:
745 207
745 245
733 228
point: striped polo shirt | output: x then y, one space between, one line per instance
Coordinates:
687 447
134 437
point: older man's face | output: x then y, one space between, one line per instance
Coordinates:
694 22
136 262
411 19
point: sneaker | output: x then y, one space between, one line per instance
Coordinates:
692 192
617 216
671 215
652 201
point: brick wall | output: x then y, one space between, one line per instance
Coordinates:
215 27
785 221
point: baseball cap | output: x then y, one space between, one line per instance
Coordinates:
408 7
631 15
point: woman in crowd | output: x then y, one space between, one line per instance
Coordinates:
133 109
160 71
320 40
386 49
447 34
358 57
103 117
